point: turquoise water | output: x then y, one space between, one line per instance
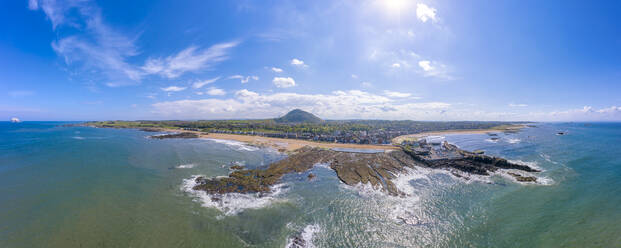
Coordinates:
88 187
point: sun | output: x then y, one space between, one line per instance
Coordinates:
395 6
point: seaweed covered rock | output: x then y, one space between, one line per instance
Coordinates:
183 135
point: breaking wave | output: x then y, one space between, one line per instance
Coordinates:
232 203
185 166
235 144
305 239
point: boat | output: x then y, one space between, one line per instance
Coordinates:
15 120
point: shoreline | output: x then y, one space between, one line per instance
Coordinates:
417 136
289 145
282 144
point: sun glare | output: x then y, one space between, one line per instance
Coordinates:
394 6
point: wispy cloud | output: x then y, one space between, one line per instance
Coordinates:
173 88
243 79
215 92
277 70
202 83
396 94
515 105
96 50
283 82
188 60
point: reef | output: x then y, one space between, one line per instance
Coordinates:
182 135
352 168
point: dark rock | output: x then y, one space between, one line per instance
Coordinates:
237 167
183 135
150 129
521 178
377 169
311 176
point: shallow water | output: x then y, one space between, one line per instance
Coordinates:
78 186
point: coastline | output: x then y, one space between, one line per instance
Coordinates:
289 145
416 136
281 144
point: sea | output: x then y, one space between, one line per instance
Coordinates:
76 186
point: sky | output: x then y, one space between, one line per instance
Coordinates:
364 59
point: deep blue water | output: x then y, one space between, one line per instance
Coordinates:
78 186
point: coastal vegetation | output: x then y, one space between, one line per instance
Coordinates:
299 124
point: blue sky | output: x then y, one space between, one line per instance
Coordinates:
392 59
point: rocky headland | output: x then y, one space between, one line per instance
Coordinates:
352 168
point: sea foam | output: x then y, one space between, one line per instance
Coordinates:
185 166
232 203
235 144
306 235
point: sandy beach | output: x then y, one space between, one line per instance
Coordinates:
283 144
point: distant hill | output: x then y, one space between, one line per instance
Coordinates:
299 116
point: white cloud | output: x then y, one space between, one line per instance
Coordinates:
434 69
336 105
298 63
425 13
396 94
354 76
173 88
277 70
611 109
283 82
396 65
200 84
216 92
513 105
425 64
190 59
95 50
243 79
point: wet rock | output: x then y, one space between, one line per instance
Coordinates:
237 167
521 178
183 135
311 176
376 169
150 129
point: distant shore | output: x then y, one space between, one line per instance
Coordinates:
503 128
282 144
288 145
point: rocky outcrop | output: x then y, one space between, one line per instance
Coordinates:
521 178
450 156
183 135
377 169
